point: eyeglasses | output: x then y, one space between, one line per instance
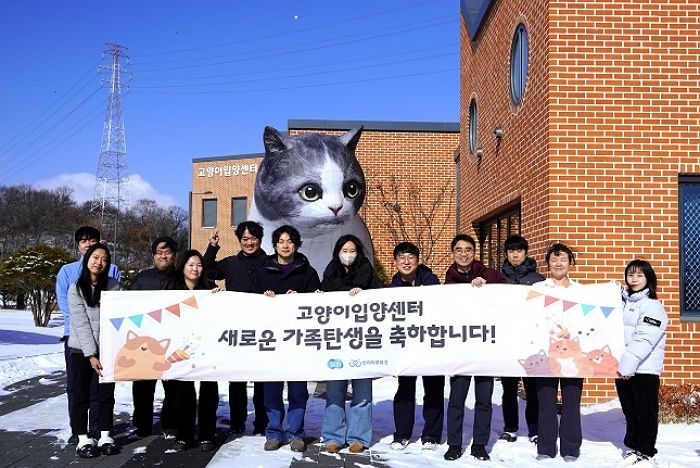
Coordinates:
406 258
463 251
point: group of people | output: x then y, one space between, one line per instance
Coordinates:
288 271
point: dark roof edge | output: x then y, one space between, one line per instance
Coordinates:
228 158
386 126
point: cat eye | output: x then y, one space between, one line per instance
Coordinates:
310 192
352 189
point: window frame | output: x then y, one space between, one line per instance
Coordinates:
685 182
206 201
233 210
519 64
473 125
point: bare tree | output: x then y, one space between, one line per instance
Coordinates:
423 217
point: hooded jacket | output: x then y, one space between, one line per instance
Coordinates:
271 276
477 270
525 273
85 320
424 277
645 323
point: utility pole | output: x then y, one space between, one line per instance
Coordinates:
111 194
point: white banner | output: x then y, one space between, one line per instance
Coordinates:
498 330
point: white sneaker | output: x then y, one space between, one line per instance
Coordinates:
429 446
399 444
643 461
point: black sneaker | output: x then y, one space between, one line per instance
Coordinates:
479 452
206 446
180 446
109 449
453 452
508 437
257 430
237 430
73 440
88 451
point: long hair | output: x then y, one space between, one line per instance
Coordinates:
339 245
202 282
647 271
91 294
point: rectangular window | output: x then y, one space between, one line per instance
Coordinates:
239 210
493 233
209 213
689 205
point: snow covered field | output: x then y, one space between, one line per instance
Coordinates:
27 351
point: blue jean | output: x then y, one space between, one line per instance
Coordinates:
298 395
335 427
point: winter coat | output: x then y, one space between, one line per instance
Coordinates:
477 270
270 276
525 273
236 270
85 320
424 277
361 275
645 324
153 279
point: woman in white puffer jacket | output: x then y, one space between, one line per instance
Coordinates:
641 364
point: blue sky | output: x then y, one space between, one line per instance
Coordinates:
206 77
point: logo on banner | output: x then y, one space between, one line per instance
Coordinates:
335 364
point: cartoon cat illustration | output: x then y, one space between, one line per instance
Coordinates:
314 183
141 358
602 362
566 358
536 364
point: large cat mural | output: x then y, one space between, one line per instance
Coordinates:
313 182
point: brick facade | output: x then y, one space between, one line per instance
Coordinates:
609 121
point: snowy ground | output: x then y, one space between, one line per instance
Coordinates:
27 351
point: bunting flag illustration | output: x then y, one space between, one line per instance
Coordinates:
566 305
607 310
136 319
191 302
549 300
117 322
532 294
156 315
174 309
587 308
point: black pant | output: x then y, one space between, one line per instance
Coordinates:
143 392
639 398
84 378
184 399
433 407
483 390
549 427
208 404
70 391
510 404
238 405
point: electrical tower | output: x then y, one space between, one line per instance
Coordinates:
111 194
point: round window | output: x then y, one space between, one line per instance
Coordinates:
518 64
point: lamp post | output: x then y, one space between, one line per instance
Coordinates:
189 214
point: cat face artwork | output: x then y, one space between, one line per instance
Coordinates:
602 362
141 358
315 183
536 364
566 358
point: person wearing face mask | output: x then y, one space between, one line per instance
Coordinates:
237 271
351 271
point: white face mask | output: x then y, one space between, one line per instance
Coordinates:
347 258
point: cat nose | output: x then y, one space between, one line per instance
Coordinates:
335 209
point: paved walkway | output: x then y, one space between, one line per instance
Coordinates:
40 449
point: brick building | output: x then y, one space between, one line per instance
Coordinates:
410 174
580 122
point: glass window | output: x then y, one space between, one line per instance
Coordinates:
472 126
518 64
690 245
493 233
209 213
239 209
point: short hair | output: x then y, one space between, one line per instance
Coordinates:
167 240
406 248
557 249
255 230
202 282
291 232
87 232
649 274
465 238
515 242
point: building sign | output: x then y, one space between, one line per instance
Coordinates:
227 170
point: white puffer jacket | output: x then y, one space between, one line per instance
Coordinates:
645 334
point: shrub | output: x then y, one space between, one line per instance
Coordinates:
679 403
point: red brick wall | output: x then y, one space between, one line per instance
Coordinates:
610 119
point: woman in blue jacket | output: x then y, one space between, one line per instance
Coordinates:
641 364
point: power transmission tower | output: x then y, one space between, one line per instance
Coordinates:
111 194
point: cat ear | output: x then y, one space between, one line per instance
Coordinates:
543 352
130 335
165 343
552 340
351 138
272 139
606 348
522 362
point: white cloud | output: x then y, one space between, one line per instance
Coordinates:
83 185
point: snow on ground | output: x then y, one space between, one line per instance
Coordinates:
27 351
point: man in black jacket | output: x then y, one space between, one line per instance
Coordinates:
518 268
237 271
161 276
